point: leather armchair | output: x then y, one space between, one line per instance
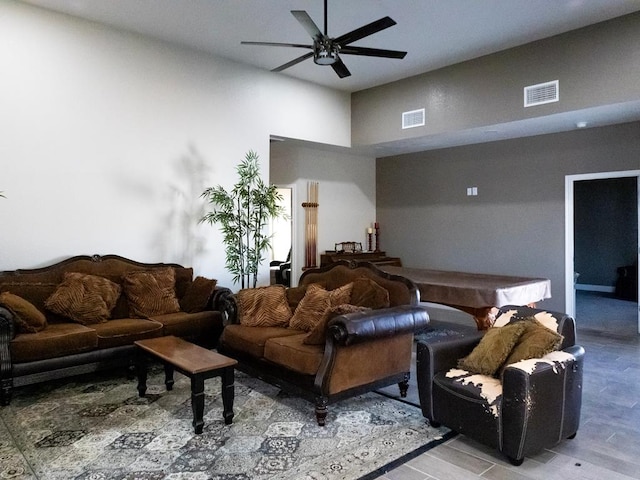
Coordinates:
535 405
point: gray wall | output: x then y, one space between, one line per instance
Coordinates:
606 228
515 226
597 65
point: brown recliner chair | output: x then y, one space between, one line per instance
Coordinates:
534 405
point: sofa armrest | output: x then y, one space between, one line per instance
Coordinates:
542 398
7 332
439 356
7 326
229 309
386 322
219 298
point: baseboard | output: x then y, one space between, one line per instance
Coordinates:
595 288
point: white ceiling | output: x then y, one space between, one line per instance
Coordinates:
435 33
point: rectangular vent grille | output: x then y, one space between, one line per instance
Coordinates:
541 93
414 118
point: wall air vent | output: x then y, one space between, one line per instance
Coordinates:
541 93
414 118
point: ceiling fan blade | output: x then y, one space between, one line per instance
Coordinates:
341 69
276 44
365 31
308 24
372 52
293 62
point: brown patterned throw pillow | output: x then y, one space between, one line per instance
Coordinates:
151 292
367 293
27 317
83 298
318 334
493 349
198 294
316 302
263 306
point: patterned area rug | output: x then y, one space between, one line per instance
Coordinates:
101 429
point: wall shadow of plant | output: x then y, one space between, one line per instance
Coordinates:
181 238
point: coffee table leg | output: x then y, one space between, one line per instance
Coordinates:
168 376
228 394
141 372
197 402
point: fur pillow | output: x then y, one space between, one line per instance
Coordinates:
316 302
318 334
493 349
84 298
198 294
535 342
368 293
27 317
263 306
151 292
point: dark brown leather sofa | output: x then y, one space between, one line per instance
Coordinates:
359 352
533 405
65 347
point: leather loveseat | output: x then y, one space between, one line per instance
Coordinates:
83 314
344 330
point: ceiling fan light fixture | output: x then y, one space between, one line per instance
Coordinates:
325 55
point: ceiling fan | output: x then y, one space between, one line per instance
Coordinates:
326 50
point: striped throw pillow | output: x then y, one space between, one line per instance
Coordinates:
151 292
84 298
263 306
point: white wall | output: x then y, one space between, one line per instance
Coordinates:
346 194
107 140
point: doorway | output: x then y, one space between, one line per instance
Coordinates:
281 260
602 251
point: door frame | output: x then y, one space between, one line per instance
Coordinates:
570 292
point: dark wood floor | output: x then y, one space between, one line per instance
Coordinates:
608 442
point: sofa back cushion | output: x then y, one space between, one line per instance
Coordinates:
401 291
35 293
40 283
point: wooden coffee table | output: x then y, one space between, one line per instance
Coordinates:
195 362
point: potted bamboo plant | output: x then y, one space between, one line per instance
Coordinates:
243 214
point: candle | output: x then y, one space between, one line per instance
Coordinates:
369 230
376 225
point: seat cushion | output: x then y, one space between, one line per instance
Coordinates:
291 352
251 340
56 340
125 331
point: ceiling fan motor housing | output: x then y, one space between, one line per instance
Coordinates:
325 52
